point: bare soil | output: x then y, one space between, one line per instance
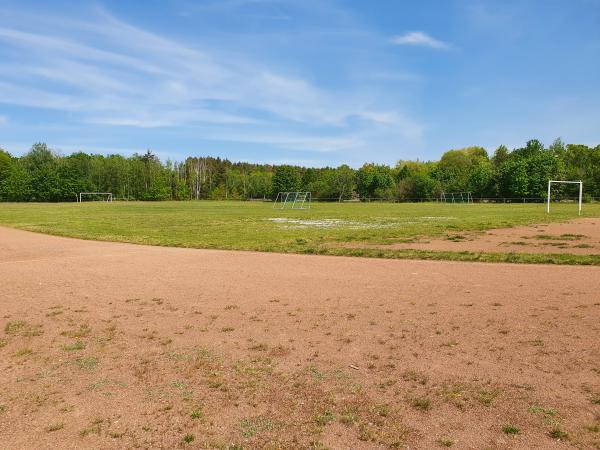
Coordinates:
107 345
577 237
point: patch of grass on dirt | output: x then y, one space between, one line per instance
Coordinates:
445 442
81 332
557 433
189 438
511 429
252 426
324 418
421 403
542 410
74 346
22 328
87 363
55 427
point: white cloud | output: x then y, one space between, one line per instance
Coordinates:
3 120
419 38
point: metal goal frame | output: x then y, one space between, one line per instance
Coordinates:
550 182
293 200
109 196
456 197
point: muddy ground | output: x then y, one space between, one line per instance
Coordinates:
106 345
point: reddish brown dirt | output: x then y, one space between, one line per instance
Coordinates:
578 237
106 345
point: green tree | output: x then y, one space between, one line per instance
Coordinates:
374 181
285 179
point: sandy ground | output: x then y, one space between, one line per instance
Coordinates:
577 237
106 345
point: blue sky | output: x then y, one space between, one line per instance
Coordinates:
314 82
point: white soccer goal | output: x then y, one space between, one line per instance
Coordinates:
97 196
551 182
292 200
456 197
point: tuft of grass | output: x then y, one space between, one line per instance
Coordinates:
557 433
55 427
227 329
3 342
421 403
24 352
445 442
542 410
511 429
252 426
325 418
14 327
196 414
189 438
87 363
74 346
81 332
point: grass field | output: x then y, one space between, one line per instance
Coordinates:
320 230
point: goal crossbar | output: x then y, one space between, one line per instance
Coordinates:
580 183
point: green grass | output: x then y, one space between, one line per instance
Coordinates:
250 226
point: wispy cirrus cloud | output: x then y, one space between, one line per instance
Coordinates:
419 38
102 71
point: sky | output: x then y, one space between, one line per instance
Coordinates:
311 82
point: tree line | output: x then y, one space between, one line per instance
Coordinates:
45 176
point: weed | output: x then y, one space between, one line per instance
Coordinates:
15 327
189 438
542 410
421 403
324 418
3 342
24 352
253 426
445 442
511 429
74 346
87 363
55 427
349 418
81 332
557 433
196 414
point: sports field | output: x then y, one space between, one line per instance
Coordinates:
353 229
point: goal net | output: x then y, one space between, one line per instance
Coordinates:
456 197
95 196
292 200
563 194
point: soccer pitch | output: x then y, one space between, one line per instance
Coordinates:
326 228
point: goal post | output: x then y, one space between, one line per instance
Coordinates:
456 197
106 196
292 200
551 182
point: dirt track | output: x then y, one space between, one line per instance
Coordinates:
107 345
